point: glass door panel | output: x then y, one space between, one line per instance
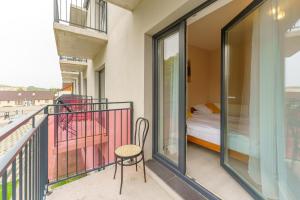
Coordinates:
261 99
170 96
168 56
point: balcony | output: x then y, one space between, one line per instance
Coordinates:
80 27
126 4
72 138
100 185
72 64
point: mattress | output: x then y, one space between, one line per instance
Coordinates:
207 127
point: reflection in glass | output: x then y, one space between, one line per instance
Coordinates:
168 96
263 99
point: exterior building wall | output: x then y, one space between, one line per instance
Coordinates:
7 103
13 103
128 55
43 102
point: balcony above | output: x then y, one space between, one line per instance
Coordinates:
292 39
72 64
127 4
70 77
80 27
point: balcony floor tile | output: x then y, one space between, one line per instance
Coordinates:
100 185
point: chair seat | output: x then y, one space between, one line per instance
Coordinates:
129 150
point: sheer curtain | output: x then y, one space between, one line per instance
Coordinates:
288 131
174 94
264 59
269 165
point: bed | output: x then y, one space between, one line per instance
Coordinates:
204 129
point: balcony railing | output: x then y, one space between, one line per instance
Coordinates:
65 141
91 14
70 58
23 168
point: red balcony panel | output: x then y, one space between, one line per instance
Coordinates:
85 140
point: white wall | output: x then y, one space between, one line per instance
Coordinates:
128 54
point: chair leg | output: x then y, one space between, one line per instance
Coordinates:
116 165
121 175
144 167
135 164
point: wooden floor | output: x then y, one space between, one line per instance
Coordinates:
204 166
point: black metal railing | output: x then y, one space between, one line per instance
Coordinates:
71 58
62 141
23 168
91 14
83 137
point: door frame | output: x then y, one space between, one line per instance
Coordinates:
179 27
179 172
155 153
247 11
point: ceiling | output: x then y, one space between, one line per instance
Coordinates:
205 32
127 4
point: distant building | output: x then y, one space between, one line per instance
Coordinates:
11 88
25 98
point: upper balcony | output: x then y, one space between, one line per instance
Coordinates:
293 39
80 27
126 4
72 64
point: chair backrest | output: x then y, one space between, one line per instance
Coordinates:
141 131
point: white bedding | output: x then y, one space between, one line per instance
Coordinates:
207 127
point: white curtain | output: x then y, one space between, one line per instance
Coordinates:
270 137
288 131
262 124
174 98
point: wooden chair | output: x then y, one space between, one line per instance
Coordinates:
133 151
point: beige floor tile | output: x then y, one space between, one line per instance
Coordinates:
204 166
100 185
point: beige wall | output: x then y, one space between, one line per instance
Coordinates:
215 76
198 85
128 54
205 76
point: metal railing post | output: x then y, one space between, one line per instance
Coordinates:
33 121
55 10
4 185
131 124
44 157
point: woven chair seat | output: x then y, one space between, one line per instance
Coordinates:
128 151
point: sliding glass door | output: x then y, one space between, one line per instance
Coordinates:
261 99
170 96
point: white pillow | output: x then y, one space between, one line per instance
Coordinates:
201 108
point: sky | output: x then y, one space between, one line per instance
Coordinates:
292 70
27 44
